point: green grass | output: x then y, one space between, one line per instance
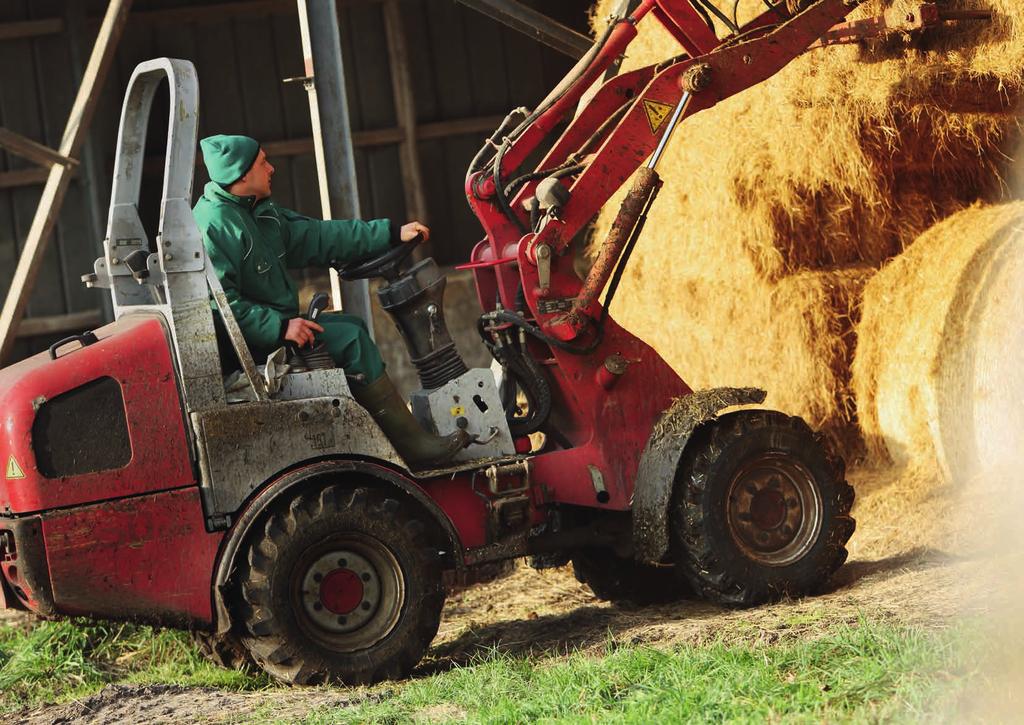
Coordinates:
866 672
57 661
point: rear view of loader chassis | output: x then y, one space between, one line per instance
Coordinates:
288 532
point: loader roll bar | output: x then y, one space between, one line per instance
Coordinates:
170 279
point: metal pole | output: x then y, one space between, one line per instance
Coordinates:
535 24
684 103
332 135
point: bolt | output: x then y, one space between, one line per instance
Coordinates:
763 538
792 503
115 260
366 606
366 576
342 620
168 257
317 577
787 530
317 606
750 488
746 518
774 482
342 563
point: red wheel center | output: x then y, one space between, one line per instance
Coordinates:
341 591
768 509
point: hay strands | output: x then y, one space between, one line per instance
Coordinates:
898 20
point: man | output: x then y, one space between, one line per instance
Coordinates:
252 243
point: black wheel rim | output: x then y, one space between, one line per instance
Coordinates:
348 592
774 509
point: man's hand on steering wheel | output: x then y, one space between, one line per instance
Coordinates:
387 265
410 231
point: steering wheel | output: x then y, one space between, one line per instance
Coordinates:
386 265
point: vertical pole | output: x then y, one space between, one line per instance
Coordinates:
332 134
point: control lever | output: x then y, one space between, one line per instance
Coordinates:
317 357
137 263
318 304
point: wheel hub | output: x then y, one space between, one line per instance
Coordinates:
341 591
774 509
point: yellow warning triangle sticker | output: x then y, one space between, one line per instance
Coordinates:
656 113
13 469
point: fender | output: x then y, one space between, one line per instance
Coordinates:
284 483
660 461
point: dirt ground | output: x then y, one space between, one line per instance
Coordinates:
548 614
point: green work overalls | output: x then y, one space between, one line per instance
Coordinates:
253 243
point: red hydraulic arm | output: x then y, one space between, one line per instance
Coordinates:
611 137
607 388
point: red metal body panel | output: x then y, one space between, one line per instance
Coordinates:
465 508
145 557
134 351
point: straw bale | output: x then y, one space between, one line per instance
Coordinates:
937 373
845 156
793 338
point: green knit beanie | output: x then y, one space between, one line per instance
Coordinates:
228 158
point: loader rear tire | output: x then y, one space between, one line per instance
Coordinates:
760 510
615 579
340 585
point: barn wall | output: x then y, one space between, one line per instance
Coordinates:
463 66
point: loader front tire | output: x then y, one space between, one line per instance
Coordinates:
340 585
760 510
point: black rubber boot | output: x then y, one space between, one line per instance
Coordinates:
419 448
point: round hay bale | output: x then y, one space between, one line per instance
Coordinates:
793 338
937 373
848 154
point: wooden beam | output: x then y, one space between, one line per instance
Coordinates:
31 28
298 146
214 13
405 109
60 176
55 324
23 177
217 12
35 152
458 127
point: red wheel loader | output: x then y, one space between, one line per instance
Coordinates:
274 518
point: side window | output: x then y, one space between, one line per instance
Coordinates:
82 431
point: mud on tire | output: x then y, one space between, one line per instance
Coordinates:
340 585
760 510
225 650
615 579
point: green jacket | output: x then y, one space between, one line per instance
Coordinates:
252 244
